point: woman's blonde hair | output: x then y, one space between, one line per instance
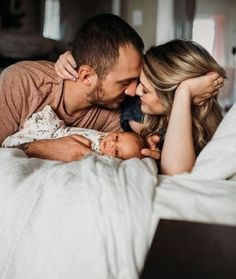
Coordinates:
166 66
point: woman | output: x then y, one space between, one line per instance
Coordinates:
175 84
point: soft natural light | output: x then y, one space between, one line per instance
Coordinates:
51 27
204 32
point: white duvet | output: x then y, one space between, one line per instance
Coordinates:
87 219
96 218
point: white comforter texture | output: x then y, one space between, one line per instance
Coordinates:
96 218
86 219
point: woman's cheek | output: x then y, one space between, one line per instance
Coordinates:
145 109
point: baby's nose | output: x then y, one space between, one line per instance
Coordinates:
112 143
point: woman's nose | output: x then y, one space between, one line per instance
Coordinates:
139 90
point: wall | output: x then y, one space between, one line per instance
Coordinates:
21 15
227 9
146 25
75 12
224 10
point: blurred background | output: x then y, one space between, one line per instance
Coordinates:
43 29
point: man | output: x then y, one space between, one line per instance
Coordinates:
108 54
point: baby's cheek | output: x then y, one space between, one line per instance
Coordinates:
109 151
104 148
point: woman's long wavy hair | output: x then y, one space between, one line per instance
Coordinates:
166 66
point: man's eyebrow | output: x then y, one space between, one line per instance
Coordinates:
127 79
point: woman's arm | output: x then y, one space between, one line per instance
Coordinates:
178 154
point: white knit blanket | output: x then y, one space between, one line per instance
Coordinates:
96 218
86 219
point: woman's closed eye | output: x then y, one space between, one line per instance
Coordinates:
145 91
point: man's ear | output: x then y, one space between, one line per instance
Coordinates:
87 75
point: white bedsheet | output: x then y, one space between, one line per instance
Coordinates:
96 218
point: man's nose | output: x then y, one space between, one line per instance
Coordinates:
131 89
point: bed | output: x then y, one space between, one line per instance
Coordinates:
96 218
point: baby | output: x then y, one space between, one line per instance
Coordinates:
46 125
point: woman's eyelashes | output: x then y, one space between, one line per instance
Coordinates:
145 91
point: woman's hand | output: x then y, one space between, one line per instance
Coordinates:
202 88
135 126
152 151
65 66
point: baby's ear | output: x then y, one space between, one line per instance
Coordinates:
87 75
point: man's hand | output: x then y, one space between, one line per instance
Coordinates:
65 66
152 151
66 149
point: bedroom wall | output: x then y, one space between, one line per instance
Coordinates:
22 27
141 15
21 15
75 12
225 11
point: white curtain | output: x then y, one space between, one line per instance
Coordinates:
165 21
218 45
184 11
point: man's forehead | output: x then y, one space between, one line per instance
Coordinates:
129 57
128 65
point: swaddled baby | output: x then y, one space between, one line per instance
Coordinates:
45 124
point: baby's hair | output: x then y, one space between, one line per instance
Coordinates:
140 143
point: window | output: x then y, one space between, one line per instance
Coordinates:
51 27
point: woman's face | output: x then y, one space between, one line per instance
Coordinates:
150 103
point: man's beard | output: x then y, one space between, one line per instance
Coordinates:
96 98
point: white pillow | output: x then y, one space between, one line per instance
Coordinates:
218 159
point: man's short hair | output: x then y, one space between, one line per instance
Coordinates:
98 41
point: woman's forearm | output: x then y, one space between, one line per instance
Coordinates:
135 126
178 154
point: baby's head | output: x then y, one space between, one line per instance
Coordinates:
122 145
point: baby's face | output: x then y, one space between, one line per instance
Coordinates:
121 145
